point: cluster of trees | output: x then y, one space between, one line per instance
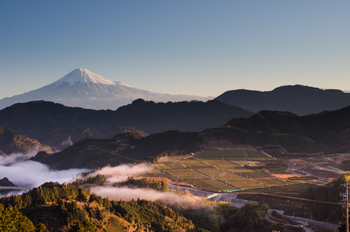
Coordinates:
76 209
160 217
144 183
328 212
12 220
91 180
48 192
245 218
81 211
346 164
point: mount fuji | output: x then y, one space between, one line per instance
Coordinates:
82 88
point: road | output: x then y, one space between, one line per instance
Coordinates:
195 192
313 222
304 221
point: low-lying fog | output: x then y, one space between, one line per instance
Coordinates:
26 173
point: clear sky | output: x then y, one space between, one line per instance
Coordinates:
193 47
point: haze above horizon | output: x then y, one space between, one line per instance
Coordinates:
195 47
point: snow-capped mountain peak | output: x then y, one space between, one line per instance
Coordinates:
121 83
82 88
80 75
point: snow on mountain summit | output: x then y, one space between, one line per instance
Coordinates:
82 88
83 76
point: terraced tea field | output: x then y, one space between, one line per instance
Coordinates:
218 185
215 173
220 154
223 164
278 171
256 155
247 185
202 185
185 174
219 170
254 174
232 155
175 165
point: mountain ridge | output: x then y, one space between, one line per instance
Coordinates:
42 120
299 99
295 134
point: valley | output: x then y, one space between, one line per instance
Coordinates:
174 116
207 153
271 157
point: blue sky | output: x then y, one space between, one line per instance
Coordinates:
194 47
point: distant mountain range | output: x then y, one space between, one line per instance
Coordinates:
327 132
82 88
52 122
297 136
301 100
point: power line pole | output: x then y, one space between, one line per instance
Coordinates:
346 205
347 208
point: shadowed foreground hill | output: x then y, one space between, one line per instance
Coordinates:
70 208
329 130
146 116
73 135
325 132
301 100
123 148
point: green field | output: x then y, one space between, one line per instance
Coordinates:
247 184
217 185
164 167
197 165
219 154
172 159
273 182
154 173
278 171
248 163
175 165
256 154
293 188
201 185
222 164
216 173
190 160
253 174
184 174
211 169
240 170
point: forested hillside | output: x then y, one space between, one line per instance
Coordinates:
53 123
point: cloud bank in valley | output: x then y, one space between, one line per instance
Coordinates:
128 194
122 172
17 157
32 174
23 172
